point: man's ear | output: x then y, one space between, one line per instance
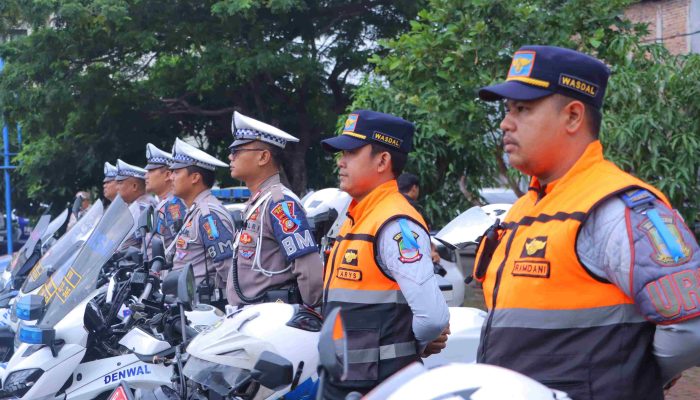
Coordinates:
195 177
264 157
575 116
384 162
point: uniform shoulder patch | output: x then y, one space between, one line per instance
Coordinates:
291 228
407 253
217 238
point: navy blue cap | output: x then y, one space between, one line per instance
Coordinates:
538 71
364 127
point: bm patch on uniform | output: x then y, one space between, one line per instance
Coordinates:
535 247
350 257
285 221
292 230
216 238
349 274
407 254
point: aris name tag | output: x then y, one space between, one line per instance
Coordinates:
533 269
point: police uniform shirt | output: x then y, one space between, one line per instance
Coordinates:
284 251
135 239
170 214
604 248
413 271
205 240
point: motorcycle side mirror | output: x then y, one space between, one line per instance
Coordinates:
180 284
333 346
272 371
31 307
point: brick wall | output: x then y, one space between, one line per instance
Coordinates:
665 18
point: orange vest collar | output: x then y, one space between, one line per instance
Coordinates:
592 155
357 209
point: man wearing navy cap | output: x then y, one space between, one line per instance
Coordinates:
276 256
170 210
131 186
109 184
379 270
591 281
206 238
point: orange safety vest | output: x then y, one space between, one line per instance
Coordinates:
549 318
377 318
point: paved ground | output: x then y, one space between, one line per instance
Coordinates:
688 388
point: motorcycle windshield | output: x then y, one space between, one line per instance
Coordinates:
220 378
26 251
54 226
65 249
467 228
74 282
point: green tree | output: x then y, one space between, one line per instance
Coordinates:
432 73
97 79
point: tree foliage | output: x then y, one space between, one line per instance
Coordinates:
432 73
98 79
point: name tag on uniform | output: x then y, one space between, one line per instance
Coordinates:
349 274
533 269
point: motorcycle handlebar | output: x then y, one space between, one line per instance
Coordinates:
190 331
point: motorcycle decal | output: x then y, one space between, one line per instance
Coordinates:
69 282
127 373
408 254
247 253
246 238
49 289
286 218
37 271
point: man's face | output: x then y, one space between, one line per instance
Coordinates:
357 171
129 189
182 182
158 180
414 192
109 190
533 135
243 161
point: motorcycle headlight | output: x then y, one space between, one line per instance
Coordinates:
19 382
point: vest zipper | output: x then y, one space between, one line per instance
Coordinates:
496 286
